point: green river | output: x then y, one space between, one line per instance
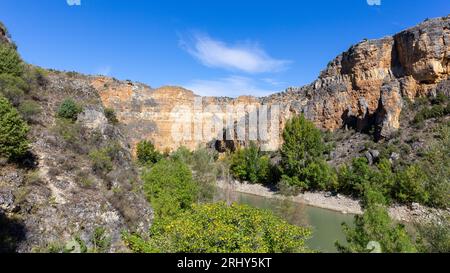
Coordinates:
325 224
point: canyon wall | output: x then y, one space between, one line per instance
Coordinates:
364 88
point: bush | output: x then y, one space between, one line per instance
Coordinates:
13 88
434 237
35 77
146 153
410 185
13 131
205 172
250 165
218 228
436 166
111 116
435 111
169 187
376 226
101 162
69 109
356 178
302 156
29 109
70 132
10 61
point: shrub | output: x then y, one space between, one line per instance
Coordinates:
376 226
205 172
146 153
355 179
13 88
69 109
35 77
71 133
218 228
13 131
436 166
29 109
249 164
100 241
302 155
111 116
434 237
169 187
10 61
101 162
435 111
410 185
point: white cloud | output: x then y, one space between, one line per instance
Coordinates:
232 86
248 57
274 82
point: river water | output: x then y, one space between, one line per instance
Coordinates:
325 224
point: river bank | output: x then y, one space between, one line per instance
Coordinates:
339 203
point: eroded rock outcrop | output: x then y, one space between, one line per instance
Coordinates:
364 88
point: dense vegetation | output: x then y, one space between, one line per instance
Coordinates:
249 164
303 164
178 187
169 187
374 231
219 228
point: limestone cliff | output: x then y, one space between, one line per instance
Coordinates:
364 88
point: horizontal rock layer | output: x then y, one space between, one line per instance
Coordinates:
364 87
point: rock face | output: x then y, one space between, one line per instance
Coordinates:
363 88
62 196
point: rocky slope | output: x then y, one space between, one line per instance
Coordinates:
58 196
363 88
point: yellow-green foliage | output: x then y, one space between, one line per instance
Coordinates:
219 228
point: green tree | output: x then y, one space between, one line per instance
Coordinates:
355 179
169 187
219 228
302 155
10 61
69 109
13 131
146 153
249 164
410 185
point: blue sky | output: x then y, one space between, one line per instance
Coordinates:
224 48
